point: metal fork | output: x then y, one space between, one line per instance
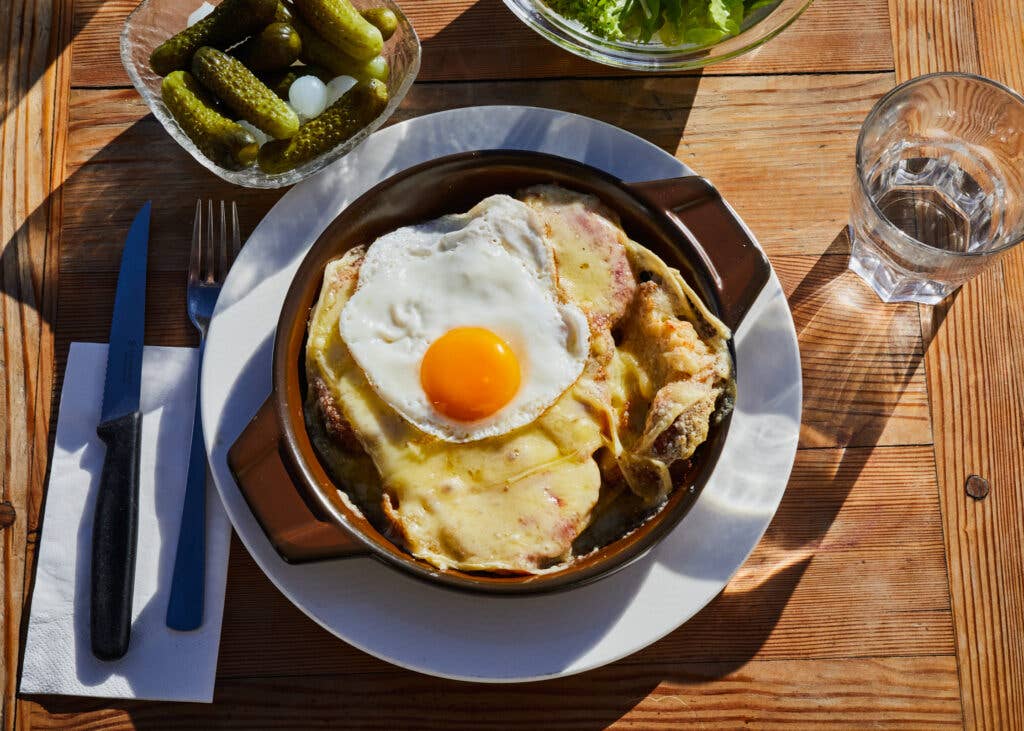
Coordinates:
208 266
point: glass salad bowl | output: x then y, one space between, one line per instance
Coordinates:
758 26
154 21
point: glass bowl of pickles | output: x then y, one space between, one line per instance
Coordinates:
265 93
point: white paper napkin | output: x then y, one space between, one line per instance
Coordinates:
161 663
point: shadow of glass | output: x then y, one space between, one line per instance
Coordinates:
863 359
859 358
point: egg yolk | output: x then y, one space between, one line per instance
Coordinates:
469 373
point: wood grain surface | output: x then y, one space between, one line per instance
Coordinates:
779 694
473 40
723 127
32 144
879 597
975 367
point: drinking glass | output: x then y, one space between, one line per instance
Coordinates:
938 193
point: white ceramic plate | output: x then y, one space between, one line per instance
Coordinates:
487 638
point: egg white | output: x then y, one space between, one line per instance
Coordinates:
488 268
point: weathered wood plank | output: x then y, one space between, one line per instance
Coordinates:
852 565
976 382
930 36
974 377
782 151
481 39
895 693
35 63
999 37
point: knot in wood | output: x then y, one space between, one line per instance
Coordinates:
7 515
976 486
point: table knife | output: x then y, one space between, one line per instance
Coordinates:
115 525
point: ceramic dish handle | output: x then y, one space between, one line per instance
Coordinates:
739 268
297 534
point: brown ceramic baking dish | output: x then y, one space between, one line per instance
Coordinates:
683 220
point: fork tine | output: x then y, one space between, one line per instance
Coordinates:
197 241
208 248
236 233
222 246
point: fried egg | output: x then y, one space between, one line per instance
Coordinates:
458 325
514 502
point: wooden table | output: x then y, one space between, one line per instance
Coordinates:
881 594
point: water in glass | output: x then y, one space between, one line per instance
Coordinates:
936 195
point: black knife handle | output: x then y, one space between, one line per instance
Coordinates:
114 532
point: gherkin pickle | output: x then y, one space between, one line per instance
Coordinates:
280 82
383 18
376 68
243 93
341 65
357 108
220 139
275 47
230 22
343 27
318 53
315 50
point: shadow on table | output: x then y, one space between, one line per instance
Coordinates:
853 384
860 355
471 47
36 57
22 259
652 106
719 640
98 214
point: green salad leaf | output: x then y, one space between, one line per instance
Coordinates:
700 22
601 17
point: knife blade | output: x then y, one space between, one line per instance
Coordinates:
115 525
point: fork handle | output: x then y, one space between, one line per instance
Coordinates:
185 607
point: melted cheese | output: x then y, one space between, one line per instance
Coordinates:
667 378
513 502
516 502
590 251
